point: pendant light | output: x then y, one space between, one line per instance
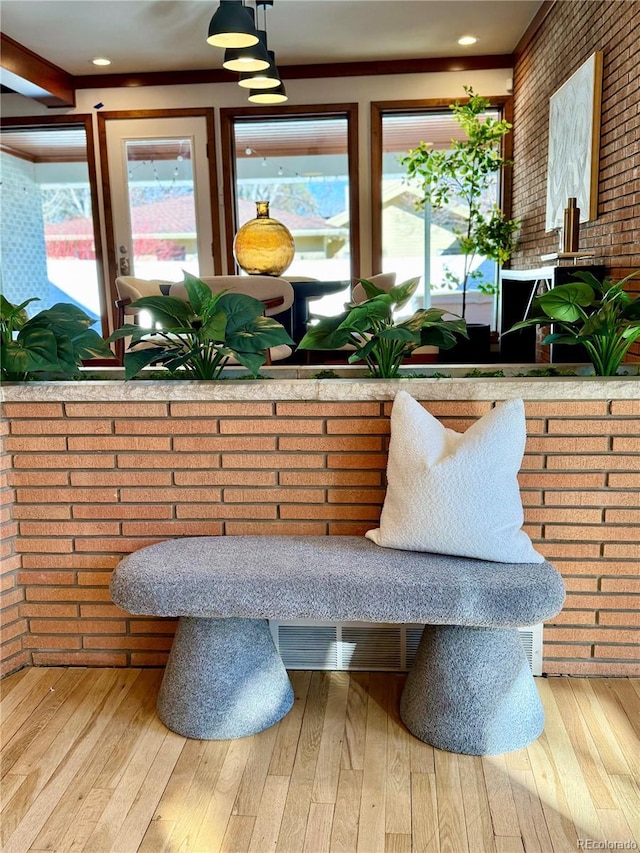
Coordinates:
267 79
254 58
232 26
278 95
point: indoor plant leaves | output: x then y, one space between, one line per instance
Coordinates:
197 337
463 172
53 341
600 315
376 337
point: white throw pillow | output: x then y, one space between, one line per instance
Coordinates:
455 493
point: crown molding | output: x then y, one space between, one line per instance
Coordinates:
300 72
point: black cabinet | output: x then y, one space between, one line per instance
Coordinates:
517 290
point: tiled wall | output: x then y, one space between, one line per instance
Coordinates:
24 259
96 481
568 36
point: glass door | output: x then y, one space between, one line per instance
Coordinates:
159 184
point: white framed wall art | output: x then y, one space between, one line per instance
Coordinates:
574 142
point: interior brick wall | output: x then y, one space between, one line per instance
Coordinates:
570 33
95 481
13 625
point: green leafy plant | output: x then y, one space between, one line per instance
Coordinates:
196 338
463 173
601 316
51 344
378 339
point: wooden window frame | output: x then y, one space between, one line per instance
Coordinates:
227 120
78 120
379 109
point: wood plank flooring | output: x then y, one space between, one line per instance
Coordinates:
87 766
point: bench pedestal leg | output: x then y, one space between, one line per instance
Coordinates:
224 679
471 690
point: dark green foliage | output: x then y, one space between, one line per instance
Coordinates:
198 337
475 373
52 344
601 316
379 340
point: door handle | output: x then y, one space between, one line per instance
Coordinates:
123 262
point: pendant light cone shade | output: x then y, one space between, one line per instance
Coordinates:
267 79
254 58
232 26
269 96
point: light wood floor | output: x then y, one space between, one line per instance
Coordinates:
88 766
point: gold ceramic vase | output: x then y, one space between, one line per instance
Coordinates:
263 246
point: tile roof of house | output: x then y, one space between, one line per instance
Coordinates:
176 217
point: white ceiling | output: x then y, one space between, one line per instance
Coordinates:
169 35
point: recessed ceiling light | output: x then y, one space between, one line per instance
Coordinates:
467 40
101 60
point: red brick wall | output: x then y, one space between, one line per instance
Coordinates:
568 36
12 623
96 481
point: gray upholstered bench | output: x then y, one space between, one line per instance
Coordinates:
470 689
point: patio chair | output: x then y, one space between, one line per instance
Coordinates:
130 288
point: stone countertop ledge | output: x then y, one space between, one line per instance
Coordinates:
298 384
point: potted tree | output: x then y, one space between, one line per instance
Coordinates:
462 174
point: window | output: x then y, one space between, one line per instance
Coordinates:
50 240
303 164
161 202
423 243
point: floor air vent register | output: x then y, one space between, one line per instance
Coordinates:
367 646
